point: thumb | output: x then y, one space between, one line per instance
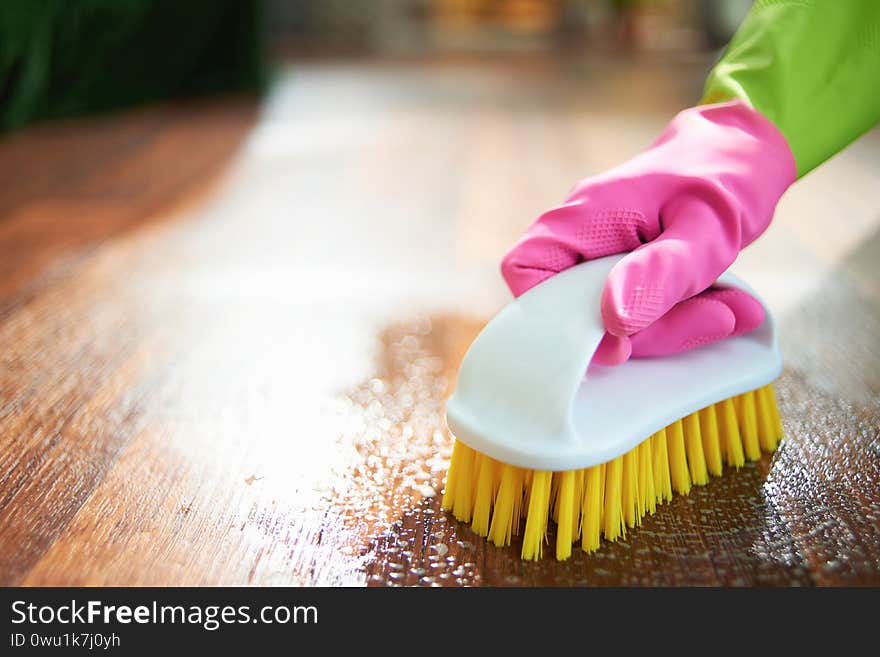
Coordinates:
697 244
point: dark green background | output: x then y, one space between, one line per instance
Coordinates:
61 58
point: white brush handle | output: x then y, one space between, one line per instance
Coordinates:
523 395
533 355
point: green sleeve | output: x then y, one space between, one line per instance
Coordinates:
810 66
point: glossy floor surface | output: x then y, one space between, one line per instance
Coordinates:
227 330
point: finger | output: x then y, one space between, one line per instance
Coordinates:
698 243
689 324
749 312
612 350
547 248
715 314
582 229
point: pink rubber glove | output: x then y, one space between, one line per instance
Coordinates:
705 189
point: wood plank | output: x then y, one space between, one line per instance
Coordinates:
226 339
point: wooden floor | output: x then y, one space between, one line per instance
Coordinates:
227 332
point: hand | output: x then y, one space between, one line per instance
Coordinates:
683 209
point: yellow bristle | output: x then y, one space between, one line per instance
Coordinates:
554 498
630 484
730 436
591 507
748 425
528 475
678 466
502 517
604 499
536 517
565 524
458 448
479 457
694 446
613 515
711 440
766 422
483 499
580 475
464 486
646 479
519 478
464 504
662 481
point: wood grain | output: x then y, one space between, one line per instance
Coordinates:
227 334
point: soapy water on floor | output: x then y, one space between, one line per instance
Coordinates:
781 520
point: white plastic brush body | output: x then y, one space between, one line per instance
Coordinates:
525 395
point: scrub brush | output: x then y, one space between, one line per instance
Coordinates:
537 438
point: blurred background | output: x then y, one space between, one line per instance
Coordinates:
244 245
486 26
58 59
